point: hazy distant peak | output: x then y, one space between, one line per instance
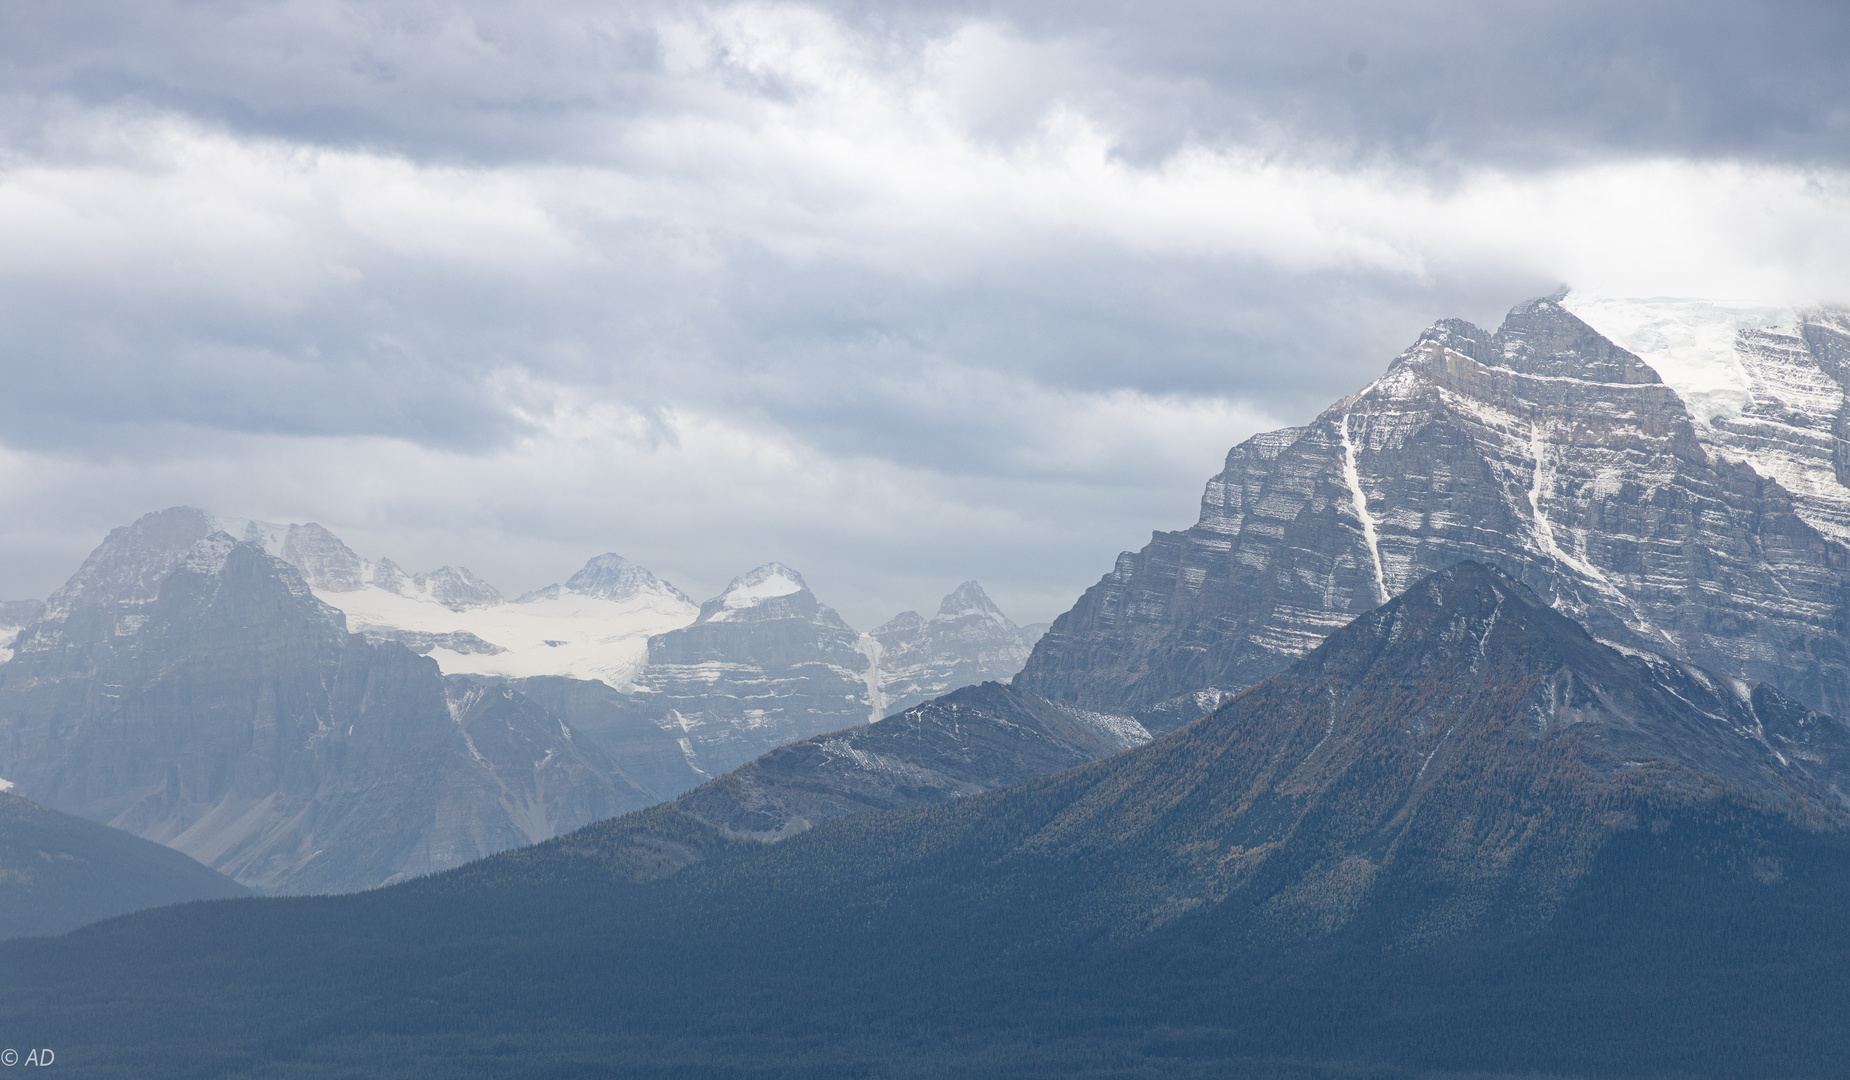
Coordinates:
968 600
126 569
325 562
771 591
904 622
767 582
613 577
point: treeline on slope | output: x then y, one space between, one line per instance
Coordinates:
1539 906
1671 958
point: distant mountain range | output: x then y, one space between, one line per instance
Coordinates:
1461 836
204 690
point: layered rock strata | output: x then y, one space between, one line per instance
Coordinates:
1543 450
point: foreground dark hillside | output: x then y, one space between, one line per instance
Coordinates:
1460 837
58 872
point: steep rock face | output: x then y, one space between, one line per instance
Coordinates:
191 689
58 872
1543 450
16 615
765 663
976 739
967 642
650 755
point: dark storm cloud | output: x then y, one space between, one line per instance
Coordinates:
1435 83
1450 83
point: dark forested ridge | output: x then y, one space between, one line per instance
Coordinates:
1461 837
58 872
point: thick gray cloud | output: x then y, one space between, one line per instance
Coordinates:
899 295
1435 82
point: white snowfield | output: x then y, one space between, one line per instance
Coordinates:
765 583
1750 380
1690 343
8 632
560 632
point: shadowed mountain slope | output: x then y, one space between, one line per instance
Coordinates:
973 740
1461 835
58 872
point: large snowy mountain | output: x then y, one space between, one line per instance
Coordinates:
219 694
191 689
1544 450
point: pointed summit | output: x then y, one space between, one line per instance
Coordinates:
1544 450
968 641
612 577
969 599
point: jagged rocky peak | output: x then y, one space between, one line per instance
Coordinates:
970 601
329 565
325 562
456 588
194 690
1543 449
612 577
1542 338
1470 656
772 591
125 571
968 641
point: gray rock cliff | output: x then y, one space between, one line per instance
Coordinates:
1543 450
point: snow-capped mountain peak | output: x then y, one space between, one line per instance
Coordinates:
770 591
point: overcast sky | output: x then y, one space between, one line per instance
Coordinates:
896 294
